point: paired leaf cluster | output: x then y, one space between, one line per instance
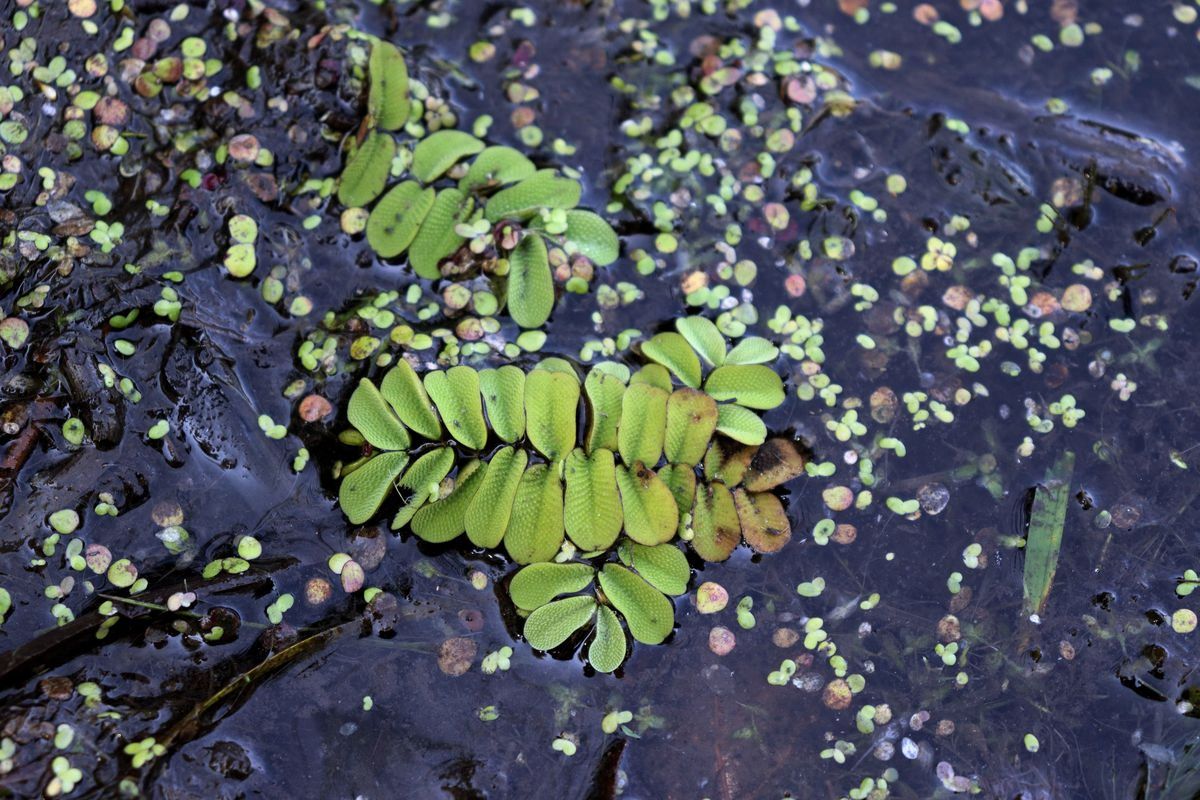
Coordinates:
676 448
454 182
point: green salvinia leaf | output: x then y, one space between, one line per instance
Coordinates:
753 386
387 98
543 189
614 368
607 650
367 170
651 516
553 623
650 615
643 424
704 338
396 218
363 490
440 151
530 283
691 420
537 584
437 238
765 525
604 395
593 507
535 530
445 519
593 237
455 392
489 512
423 479
551 399
653 375
775 463
371 415
556 364
497 166
715 525
681 480
504 400
403 390
673 352
752 350
740 424
664 566
727 462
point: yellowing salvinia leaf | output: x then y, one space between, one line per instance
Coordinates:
551 400
535 529
455 392
716 528
604 394
593 506
691 420
403 390
648 612
530 283
367 170
643 424
371 415
651 516
491 508
681 480
765 525
363 490
503 392
727 462
775 463
673 352
396 218
440 151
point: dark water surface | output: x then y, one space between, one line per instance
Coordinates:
1102 678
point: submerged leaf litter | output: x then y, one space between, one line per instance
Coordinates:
960 233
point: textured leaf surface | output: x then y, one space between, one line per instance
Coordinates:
650 614
765 525
491 507
363 490
643 424
607 650
553 623
753 386
403 390
551 400
593 506
440 151
664 567
775 463
604 394
387 98
681 480
592 236
653 375
673 352
455 392
371 415
691 420
530 284
715 524
543 189
752 350
504 400
429 470
535 530
727 462
396 218
437 238
704 338
445 519
366 171
537 584
740 424
497 165
651 516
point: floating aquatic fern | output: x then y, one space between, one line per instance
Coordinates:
653 462
462 196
